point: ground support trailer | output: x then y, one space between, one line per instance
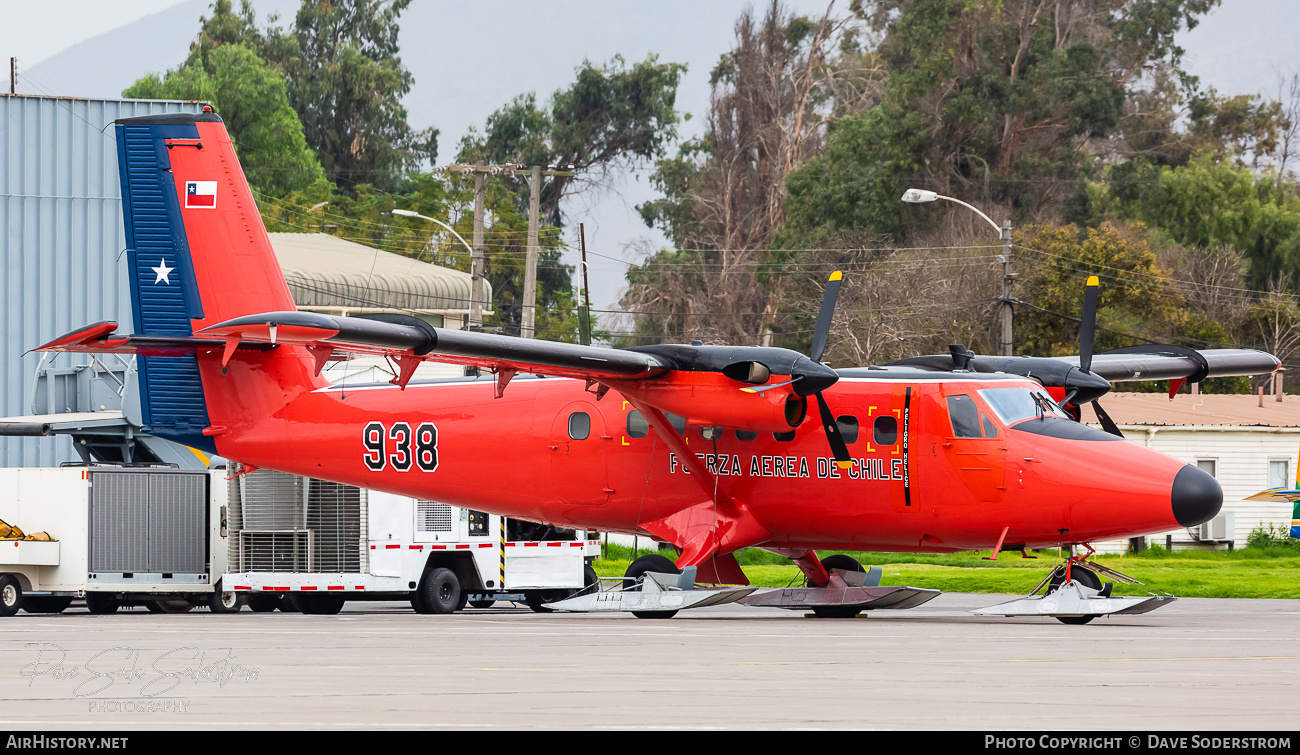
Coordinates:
122 535
310 545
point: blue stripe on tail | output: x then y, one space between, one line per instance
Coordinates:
164 294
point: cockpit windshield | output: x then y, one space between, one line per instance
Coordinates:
1015 404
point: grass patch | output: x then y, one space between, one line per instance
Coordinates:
1270 572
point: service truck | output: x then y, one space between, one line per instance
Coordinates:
310 545
119 535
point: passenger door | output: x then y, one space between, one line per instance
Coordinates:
579 445
975 447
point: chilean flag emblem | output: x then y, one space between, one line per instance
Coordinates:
201 194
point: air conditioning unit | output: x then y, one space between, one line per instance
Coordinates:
1221 527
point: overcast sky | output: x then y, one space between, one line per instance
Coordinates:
470 58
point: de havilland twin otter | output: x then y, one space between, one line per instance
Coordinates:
710 448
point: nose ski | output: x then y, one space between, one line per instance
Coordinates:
1075 595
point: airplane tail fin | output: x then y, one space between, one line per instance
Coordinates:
198 255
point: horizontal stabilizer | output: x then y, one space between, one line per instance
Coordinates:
100 338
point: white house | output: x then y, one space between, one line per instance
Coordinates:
1248 446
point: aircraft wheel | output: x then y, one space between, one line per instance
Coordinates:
98 602
537 599
46 603
840 561
440 591
261 603
651 562
11 595
224 601
1083 577
482 603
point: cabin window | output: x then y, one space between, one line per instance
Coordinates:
579 425
965 417
678 423
990 431
637 426
848 425
785 437
746 435
712 433
885 430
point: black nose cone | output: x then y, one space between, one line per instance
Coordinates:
1196 496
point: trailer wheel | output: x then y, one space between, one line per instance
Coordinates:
99 602
440 591
286 604
11 595
175 605
261 603
417 601
536 599
482 603
46 603
318 605
224 601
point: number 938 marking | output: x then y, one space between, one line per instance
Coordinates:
401 447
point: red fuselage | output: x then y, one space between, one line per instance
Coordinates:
517 456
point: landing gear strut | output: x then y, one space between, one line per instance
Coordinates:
1075 594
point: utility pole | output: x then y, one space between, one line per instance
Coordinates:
1007 279
478 292
528 315
584 312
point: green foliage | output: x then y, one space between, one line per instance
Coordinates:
1208 203
1133 300
1271 537
612 116
346 82
250 96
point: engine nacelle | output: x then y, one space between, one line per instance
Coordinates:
708 398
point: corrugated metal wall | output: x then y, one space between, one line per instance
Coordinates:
61 226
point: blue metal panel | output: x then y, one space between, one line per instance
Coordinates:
61 242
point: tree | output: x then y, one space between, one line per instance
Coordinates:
346 81
1003 102
1208 203
613 117
725 193
250 96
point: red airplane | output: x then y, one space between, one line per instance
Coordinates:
709 448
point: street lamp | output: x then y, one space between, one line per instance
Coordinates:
476 296
921 196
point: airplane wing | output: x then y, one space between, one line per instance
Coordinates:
404 336
1165 362
1276 495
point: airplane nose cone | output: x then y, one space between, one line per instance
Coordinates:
1196 496
816 377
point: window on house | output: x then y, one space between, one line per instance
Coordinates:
1209 466
1277 474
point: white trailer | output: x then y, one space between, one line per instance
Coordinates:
309 545
122 535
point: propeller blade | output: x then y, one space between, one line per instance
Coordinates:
761 388
832 428
1088 324
824 316
1107 423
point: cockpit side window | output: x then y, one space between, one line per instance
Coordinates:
965 416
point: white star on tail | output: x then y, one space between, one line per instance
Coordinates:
164 272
